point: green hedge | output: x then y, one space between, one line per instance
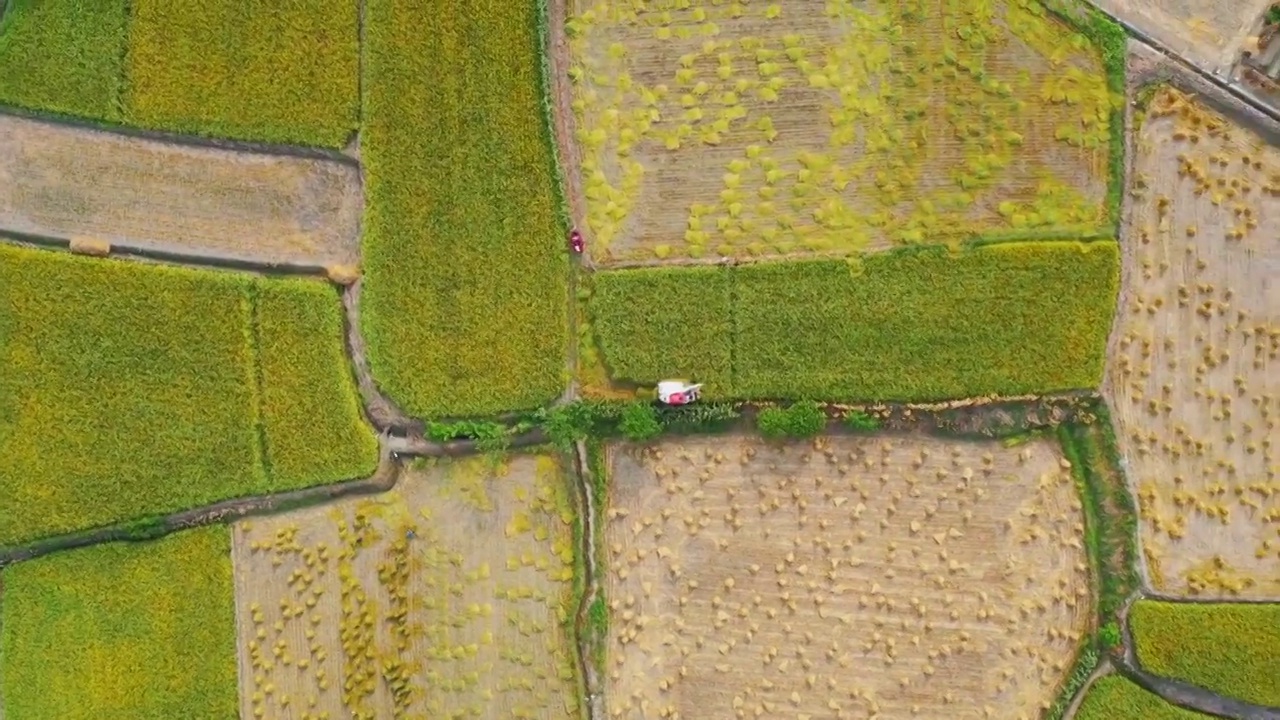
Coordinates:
141 631
1115 698
915 324
1230 648
130 390
465 304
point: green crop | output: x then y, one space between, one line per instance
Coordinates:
914 324
130 390
1116 698
284 71
660 323
281 71
63 56
141 631
311 415
1229 648
465 304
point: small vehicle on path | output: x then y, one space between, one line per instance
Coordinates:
678 392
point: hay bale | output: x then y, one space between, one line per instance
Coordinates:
342 274
96 247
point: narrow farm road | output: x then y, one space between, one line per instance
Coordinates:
587 650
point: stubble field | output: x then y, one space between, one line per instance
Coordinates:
445 598
70 182
1194 380
1209 33
892 575
725 129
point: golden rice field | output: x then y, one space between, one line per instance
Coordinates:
1194 378
888 576
447 597
725 128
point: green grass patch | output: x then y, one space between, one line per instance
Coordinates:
131 390
282 71
314 426
64 56
914 324
1116 698
465 304
137 631
1232 649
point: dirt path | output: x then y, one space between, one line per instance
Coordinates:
564 125
593 683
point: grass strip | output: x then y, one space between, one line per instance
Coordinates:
465 299
141 631
914 324
1232 649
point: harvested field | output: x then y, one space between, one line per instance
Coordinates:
445 598
143 631
1193 377
1207 33
72 182
725 129
890 575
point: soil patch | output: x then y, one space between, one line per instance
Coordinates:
69 182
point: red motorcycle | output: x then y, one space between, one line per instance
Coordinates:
575 242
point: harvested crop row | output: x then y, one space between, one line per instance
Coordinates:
141 631
130 390
464 304
733 128
389 607
1229 648
1114 697
285 71
910 325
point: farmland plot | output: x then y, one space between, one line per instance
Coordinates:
1208 33
1193 375
68 182
892 575
771 129
445 598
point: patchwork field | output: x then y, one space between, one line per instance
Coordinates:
144 631
133 389
465 304
734 128
282 72
445 598
891 575
71 182
1229 648
1194 380
915 324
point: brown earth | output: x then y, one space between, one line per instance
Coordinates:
133 192
896 575
473 608
1192 373
1207 33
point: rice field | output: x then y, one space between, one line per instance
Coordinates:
712 129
